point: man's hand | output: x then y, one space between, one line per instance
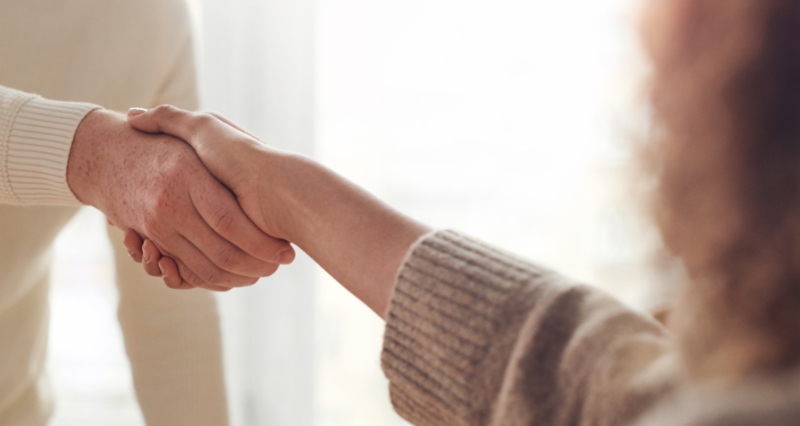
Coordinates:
156 186
232 154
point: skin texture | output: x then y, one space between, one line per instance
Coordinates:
356 238
156 186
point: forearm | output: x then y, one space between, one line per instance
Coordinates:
355 237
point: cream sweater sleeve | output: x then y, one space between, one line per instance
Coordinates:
476 336
35 139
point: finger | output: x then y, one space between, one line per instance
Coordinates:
225 255
177 277
150 257
220 210
192 280
288 257
219 289
204 268
172 278
133 242
170 120
177 122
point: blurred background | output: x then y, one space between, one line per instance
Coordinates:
510 120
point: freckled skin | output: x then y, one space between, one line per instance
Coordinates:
156 186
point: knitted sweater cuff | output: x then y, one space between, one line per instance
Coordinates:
39 134
454 305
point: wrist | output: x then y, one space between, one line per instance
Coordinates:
85 165
280 201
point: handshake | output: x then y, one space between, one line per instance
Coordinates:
206 204
187 225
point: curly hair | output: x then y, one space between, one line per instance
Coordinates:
726 152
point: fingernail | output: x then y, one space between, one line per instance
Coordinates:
130 253
133 112
145 258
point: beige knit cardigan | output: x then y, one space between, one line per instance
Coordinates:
477 336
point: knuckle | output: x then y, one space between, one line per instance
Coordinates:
223 221
192 279
175 166
160 203
211 113
228 258
185 274
199 122
212 276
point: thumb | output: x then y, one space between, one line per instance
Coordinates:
167 119
139 120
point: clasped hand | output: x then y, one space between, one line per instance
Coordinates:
155 186
269 198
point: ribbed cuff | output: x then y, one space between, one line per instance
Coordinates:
451 324
39 143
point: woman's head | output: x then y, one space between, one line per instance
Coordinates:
726 151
